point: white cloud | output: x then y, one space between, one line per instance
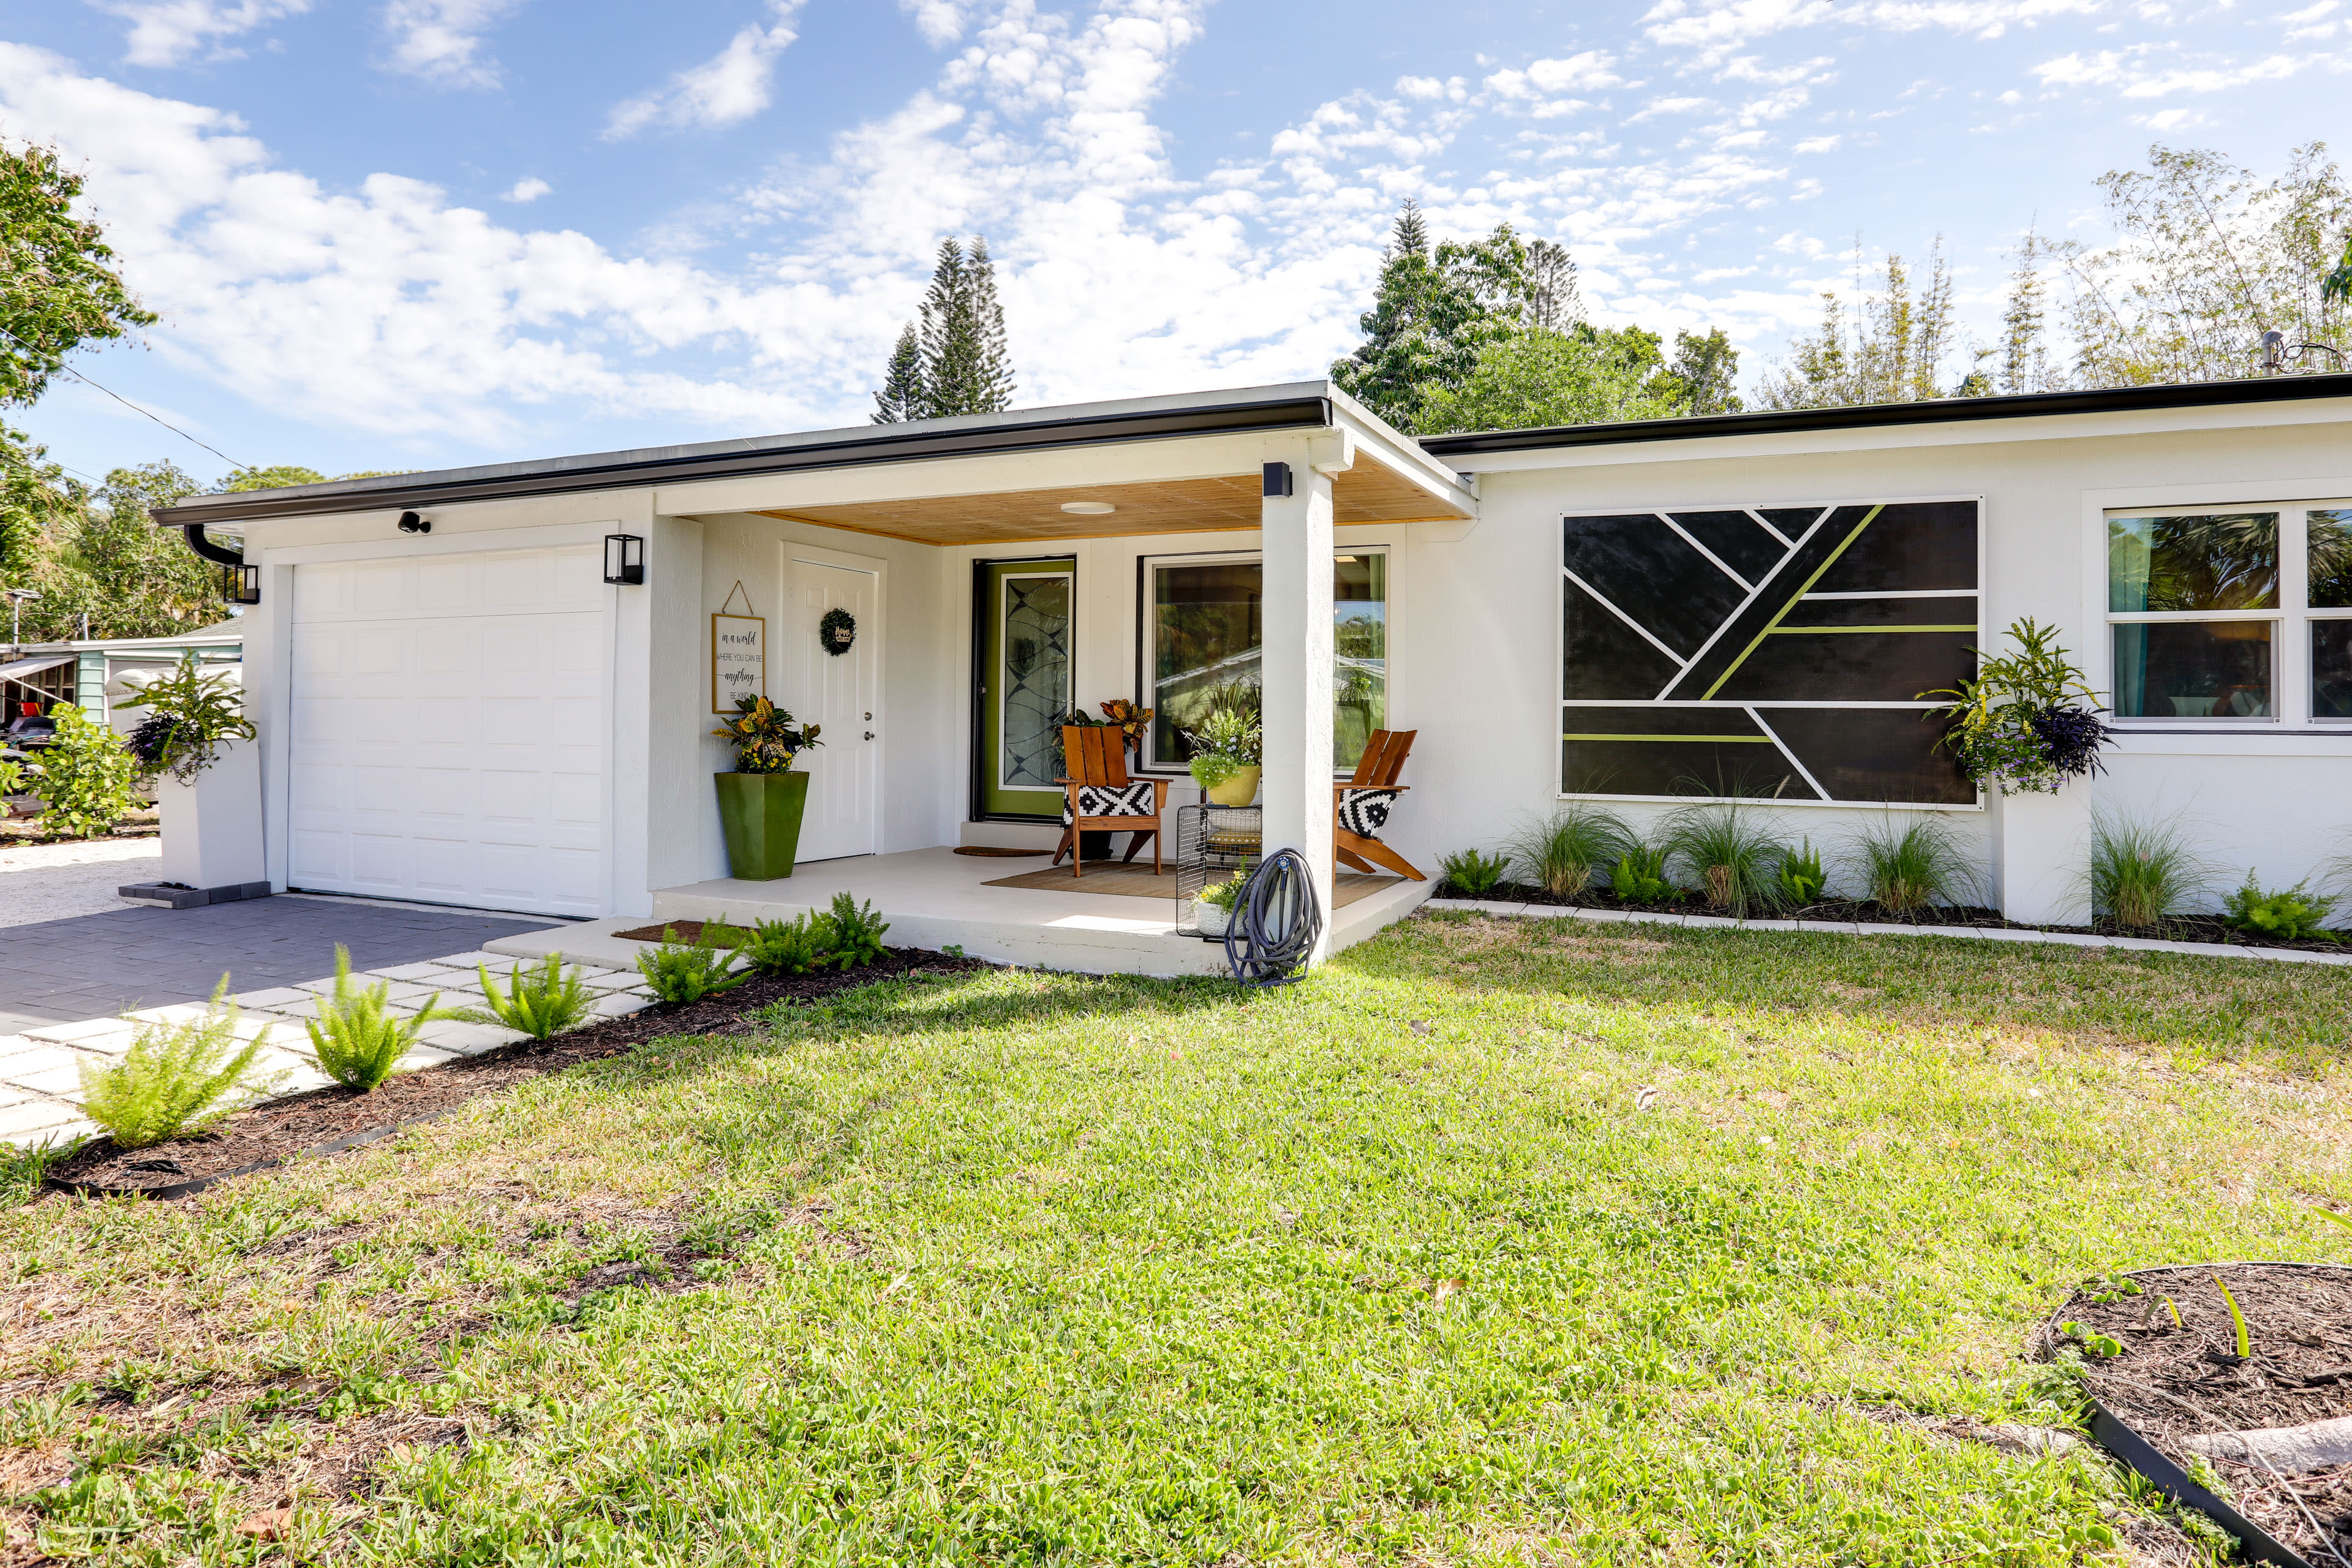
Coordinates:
442 40
2136 74
942 22
1818 145
166 32
732 84
1658 106
1715 29
528 190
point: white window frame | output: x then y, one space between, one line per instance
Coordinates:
2291 690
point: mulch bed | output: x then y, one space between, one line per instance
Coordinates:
2172 1382
269 1134
2180 928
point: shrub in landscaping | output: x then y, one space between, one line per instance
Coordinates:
546 1000
1912 866
687 972
2295 915
1473 873
1640 874
1732 855
84 777
175 1079
2143 872
1563 851
191 714
357 1038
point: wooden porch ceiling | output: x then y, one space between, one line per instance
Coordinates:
1366 493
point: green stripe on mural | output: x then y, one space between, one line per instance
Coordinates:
1758 640
1719 739
1831 631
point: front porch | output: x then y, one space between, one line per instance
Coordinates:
938 898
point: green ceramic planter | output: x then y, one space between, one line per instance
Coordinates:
761 815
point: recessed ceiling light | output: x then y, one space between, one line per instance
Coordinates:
1089 507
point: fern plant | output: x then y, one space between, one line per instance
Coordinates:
357 1038
546 1001
857 933
175 1079
1640 874
789 947
1474 873
687 972
1802 876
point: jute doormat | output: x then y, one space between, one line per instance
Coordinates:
1138 882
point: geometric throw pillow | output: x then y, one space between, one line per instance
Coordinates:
1364 812
1112 800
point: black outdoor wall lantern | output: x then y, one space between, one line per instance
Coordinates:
624 558
241 585
1277 480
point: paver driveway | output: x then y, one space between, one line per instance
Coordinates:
95 966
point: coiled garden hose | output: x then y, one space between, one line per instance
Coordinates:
1276 922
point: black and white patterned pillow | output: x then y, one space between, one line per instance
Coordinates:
1364 812
1111 800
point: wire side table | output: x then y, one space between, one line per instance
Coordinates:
1212 843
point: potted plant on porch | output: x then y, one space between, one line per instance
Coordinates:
196 746
761 802
1226 752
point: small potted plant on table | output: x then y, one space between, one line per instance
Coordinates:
761 802
1226 750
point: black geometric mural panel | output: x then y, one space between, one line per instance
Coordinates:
1754 651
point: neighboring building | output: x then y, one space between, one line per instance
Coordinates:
90 674
1745 603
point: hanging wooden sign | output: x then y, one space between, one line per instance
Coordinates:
738 654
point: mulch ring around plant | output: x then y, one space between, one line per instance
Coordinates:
326 1121
2177 928
2182 1386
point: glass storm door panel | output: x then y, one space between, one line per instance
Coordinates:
1027 678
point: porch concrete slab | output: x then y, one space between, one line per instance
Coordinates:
937 898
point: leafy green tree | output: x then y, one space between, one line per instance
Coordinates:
36 500
953 358
1537 378
278 477
1704 377
58 289
104 558
84 776
1892 351
1435 310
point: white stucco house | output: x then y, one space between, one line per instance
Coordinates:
458 704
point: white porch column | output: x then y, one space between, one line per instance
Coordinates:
1296 668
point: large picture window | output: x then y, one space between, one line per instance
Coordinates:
1204 626
2232 615
1777 651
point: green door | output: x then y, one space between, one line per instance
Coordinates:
1026 680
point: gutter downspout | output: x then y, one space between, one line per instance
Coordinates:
220 555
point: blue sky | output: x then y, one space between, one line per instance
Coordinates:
417 233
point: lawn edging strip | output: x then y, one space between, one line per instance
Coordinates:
1868 928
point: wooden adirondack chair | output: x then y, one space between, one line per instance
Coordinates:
1359 806
1096 758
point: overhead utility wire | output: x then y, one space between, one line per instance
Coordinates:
126 403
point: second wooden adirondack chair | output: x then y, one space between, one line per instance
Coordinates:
1360 806
1100 795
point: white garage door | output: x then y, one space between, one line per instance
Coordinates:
448 730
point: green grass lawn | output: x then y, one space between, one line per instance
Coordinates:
1388 1267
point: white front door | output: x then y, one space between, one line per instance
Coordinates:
448 728
840 691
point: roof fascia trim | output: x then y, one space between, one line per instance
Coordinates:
887 445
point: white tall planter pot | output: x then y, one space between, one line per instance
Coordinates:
212 828
2045 856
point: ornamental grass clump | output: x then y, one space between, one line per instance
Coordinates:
357 1038
2142 873
1912 866
1563 852
1732 855
176 1078
545 1000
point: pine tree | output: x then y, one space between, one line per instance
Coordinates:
953 358
1434 312
902 397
